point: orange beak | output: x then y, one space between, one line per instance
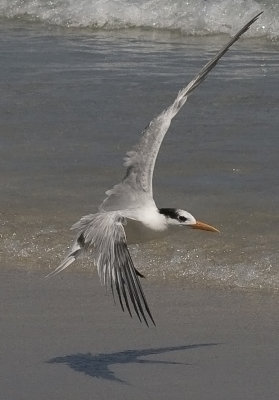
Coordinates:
204 227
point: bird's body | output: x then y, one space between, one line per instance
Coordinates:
129 213
138 232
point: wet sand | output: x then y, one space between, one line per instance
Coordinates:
63 338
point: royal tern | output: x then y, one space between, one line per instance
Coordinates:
129 206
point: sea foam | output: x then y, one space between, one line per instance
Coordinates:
191 17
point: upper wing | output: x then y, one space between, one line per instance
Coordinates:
137 184
105 234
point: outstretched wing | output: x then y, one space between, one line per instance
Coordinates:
104 233
136 186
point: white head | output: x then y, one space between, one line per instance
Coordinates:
179 217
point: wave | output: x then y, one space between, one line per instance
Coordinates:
162 260
203 268
191 17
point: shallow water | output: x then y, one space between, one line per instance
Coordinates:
74 101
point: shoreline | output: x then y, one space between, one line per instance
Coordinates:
87 268
64 338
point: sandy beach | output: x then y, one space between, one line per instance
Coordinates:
63 338
77 88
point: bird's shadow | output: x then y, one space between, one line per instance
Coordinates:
98 366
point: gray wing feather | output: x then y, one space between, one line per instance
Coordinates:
104 234
137 183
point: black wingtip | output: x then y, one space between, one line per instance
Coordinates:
139 273
247 26
257 16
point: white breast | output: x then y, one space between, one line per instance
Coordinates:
148 225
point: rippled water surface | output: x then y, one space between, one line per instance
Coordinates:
74 101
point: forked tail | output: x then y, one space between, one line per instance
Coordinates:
75 252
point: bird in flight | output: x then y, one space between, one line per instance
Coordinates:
130 210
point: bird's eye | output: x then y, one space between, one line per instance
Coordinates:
181 218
